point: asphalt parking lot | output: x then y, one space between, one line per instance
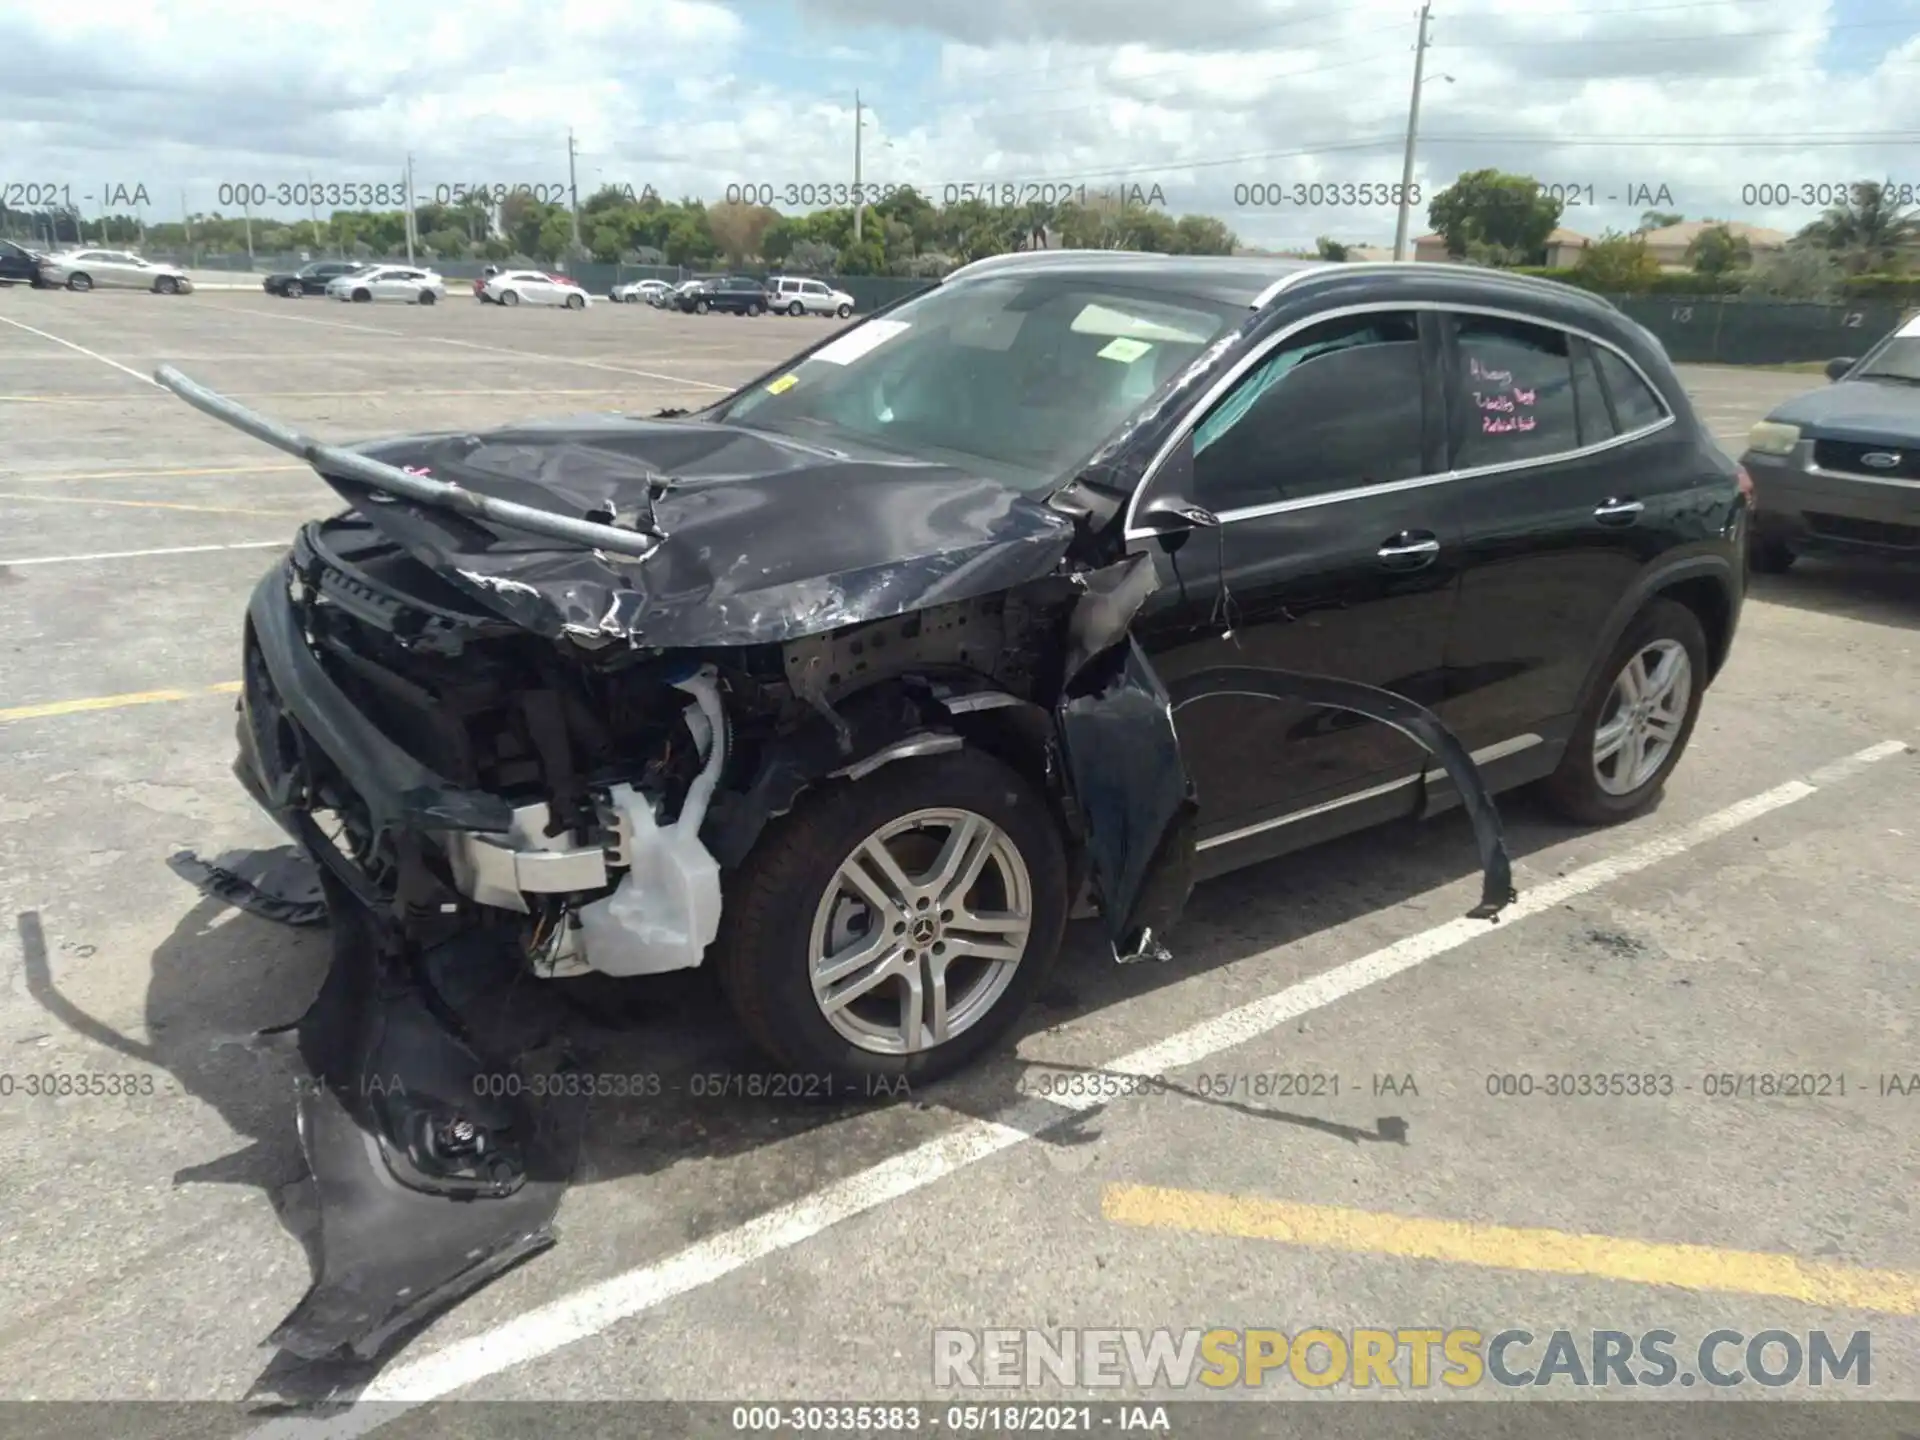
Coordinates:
1761 922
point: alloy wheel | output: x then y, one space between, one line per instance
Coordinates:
1643 717
920 931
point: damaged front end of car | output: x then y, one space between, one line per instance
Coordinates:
534 696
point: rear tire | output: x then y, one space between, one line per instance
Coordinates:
756 309
1769 555
509 297
81 283
701 307
1671 632
788 903
796 309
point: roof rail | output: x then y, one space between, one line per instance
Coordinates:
1440 267
1009 258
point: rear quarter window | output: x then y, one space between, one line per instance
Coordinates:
1633 400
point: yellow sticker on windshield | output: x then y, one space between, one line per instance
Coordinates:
783 384
1125 350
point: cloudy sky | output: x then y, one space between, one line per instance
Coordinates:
1610 99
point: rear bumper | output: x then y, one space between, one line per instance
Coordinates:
1824 511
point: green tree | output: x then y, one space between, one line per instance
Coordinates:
1329 249
1718 251
1657 220
1505 214
1617 264
1868 232
1802 271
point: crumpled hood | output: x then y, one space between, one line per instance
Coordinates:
1871 412
766 539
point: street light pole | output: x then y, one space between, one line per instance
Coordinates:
573 189
409 208
859 122
1413 131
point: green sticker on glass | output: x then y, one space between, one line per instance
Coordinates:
1125 350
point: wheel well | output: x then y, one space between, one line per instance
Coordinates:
1707 599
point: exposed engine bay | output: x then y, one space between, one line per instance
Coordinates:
510 737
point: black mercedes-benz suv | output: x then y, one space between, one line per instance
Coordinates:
1076 577
732 293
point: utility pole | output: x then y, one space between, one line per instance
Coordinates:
246 209
859 122
1413 131
573 190
186 218
409 207
313 214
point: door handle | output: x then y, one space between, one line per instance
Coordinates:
1409 551
1617 512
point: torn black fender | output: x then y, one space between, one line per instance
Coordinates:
281 884
1416 722
435 1167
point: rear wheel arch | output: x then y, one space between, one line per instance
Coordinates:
1712 606
1705 584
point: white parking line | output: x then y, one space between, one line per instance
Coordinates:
141 554
492 349
590 1311
123 369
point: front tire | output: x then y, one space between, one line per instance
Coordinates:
701 307
576 302
363 297
926 899
756 309
844 311
427 297
1636 726
166 285
510 297
81 283
796 309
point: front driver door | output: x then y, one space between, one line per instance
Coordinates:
1334 556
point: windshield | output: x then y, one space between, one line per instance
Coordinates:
1022 377
1899 360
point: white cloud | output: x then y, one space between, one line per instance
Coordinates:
681 94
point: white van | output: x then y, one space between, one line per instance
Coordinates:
792 295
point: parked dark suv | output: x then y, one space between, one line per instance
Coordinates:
309 279
1076 575
731 293
1838 470
19 265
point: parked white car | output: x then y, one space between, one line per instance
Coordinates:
536 287
406 283
113 269
638 292
796 295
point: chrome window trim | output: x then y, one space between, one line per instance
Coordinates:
1373 307
1486 755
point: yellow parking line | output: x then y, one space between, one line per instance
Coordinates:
1501 1247
115 702
142 504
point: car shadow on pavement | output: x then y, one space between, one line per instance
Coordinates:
224 976
1874 591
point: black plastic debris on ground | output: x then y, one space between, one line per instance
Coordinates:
281 884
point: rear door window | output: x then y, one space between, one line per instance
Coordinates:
1513 392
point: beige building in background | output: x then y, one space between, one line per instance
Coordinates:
1668 246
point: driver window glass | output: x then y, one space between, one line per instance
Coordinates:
1336 407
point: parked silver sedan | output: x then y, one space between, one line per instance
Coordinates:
409 284
113 269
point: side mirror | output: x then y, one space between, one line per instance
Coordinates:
1837 369
1174 513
